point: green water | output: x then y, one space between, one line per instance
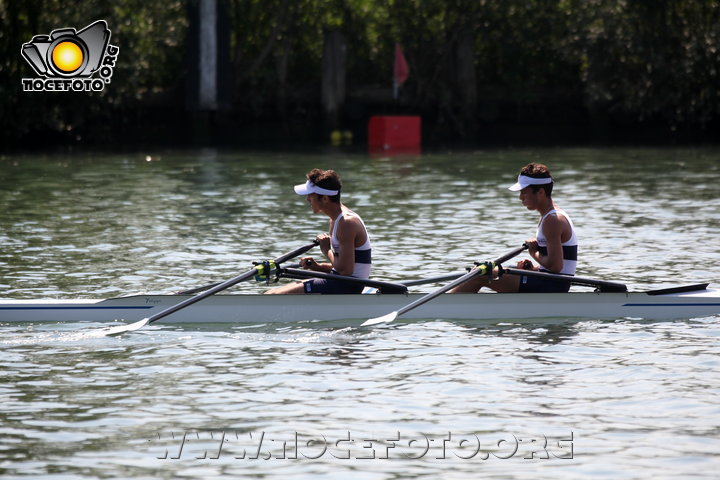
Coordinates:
88 225
633 399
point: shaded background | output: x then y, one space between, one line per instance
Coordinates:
481 72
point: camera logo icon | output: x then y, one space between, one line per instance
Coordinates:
67 59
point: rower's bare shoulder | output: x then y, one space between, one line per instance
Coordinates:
350 223
557 218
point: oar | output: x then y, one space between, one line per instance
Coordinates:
192 291
195 290
602 285
227 284
441 278
385 287
481 270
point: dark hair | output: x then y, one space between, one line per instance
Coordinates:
328 179
538 170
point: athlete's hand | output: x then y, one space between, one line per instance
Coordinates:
308 263
525 265
532 245
324 242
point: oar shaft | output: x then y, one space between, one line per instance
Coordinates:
424 281
440 291
189 301
226 284
205 287
482 269
192 291
297 273
603 285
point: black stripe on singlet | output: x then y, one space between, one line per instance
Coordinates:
363 256
569 252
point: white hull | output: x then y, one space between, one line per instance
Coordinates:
256 309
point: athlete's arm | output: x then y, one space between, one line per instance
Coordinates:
347 231
552 227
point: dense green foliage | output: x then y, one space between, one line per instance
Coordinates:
150 36
628 62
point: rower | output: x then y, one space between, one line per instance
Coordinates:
346 246
554 246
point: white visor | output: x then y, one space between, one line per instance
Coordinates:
309 187
525 181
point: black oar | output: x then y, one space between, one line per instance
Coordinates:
192 291
195 290
602 285
481 270
425 281
227 284
385 287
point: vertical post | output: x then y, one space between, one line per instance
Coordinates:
333 77
400 71
208 98
467 79
208 81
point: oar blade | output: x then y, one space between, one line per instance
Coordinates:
112 331
378 320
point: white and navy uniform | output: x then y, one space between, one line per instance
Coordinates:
361 269
570 256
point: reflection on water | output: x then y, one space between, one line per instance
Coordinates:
632 399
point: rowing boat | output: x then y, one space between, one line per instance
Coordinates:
693 301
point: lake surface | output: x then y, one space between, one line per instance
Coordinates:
435 399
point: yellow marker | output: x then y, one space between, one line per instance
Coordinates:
335 137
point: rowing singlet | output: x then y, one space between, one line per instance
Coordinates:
363 253
570 248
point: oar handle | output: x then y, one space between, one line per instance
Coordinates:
296 252
512 254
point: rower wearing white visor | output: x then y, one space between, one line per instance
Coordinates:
346 246
554 247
